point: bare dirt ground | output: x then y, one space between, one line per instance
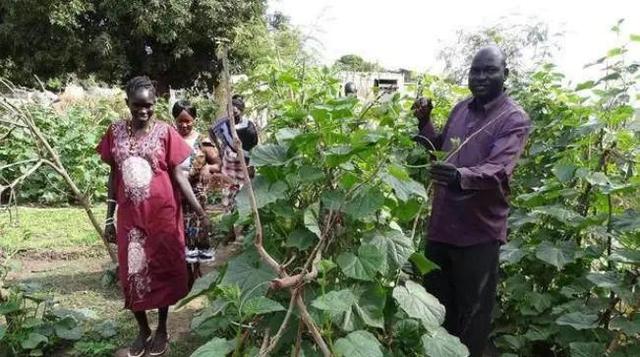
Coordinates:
76 281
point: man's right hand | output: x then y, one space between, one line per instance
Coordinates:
110 233
422 108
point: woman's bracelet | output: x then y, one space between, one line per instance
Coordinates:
111 200
108 221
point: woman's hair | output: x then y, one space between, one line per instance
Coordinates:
185 105
137 83
248 136
238 101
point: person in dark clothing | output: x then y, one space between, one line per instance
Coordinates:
470 204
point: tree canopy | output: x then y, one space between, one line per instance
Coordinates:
527 45
172 41
356 63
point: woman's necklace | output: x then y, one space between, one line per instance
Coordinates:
133 142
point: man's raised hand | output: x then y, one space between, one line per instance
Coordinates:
422 108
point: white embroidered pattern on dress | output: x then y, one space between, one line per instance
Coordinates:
137 175
138 272
137 167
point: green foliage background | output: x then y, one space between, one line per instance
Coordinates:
172 41
343 176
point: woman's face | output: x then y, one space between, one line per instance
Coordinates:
184 123
141 105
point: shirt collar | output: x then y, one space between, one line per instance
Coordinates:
488 107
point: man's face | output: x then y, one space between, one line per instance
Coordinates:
184 123
141 105
487 75
237 114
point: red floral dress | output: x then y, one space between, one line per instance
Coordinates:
149 227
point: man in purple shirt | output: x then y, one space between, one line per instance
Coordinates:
485 135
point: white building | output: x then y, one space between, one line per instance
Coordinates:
365 82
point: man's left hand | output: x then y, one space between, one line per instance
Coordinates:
445 174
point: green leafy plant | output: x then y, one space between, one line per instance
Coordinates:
338 207
571 267
341 191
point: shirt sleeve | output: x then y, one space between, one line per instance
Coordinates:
499 165
177 148
104 147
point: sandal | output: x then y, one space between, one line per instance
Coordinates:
164 350
143 351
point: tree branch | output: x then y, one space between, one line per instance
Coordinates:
311 326
274 341
17 181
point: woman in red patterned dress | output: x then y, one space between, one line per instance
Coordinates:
146 184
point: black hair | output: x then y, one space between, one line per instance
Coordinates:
137 83
248 136
185 105
238 101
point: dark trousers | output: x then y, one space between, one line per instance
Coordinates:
466 286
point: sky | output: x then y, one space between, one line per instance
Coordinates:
409 34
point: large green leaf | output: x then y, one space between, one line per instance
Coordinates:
564 171
423 264
562 214
265 193
33 340
598 179
537 333
200 287
511 253
539 302
558 256
370 306
333 200
68 329
302 239
9 307
106 329
629 327
217 347
587 349
365 203
578 320
419 304
629 221
404 189
398 247
606 280
363 266
210 318
311 220
626 256
260 305
269 155
308 174
585 85
358 344
439 343
287 134
250 275
335 301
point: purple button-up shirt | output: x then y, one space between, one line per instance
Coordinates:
477 213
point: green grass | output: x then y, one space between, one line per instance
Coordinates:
54 229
